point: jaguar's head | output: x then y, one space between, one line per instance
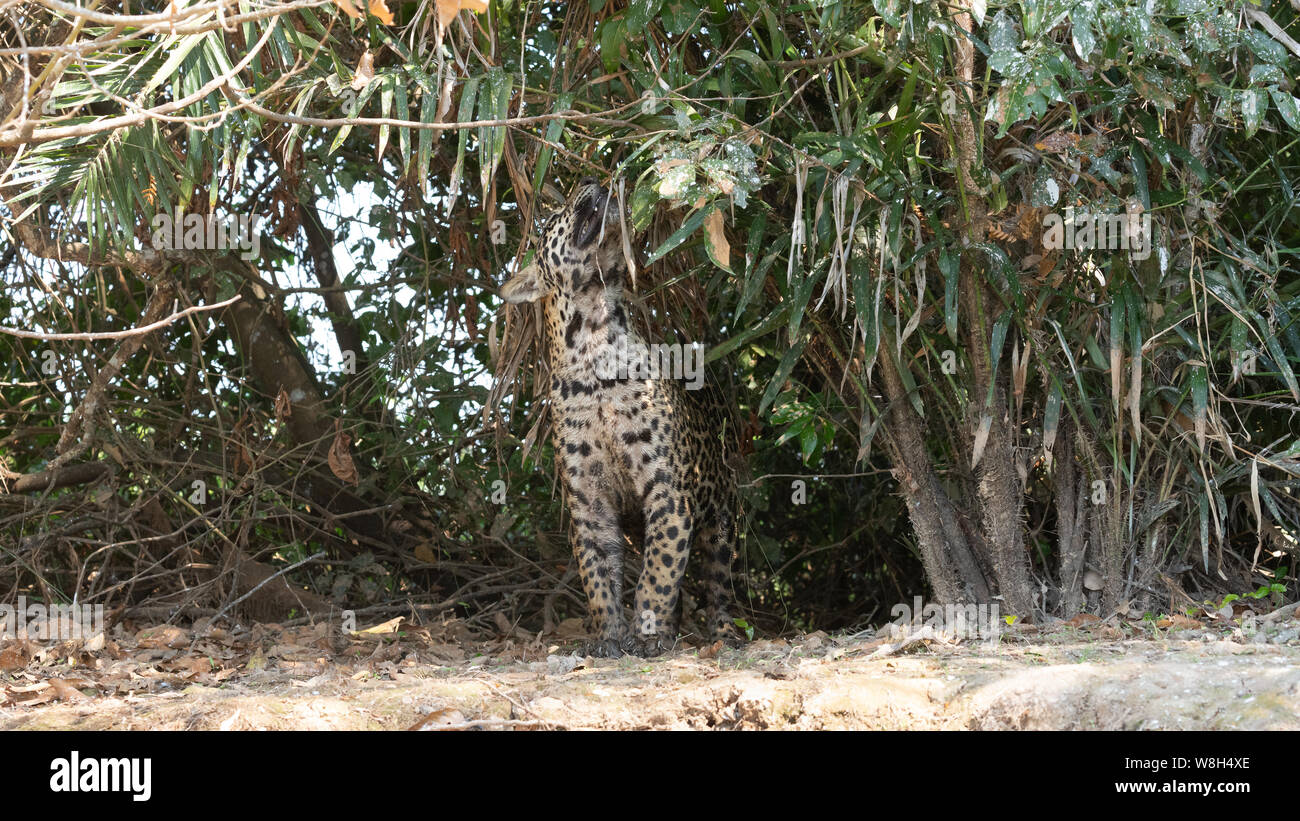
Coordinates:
581 249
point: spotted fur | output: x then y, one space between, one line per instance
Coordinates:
638 456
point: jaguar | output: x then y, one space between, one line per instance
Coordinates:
642 456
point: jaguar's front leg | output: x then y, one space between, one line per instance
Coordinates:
667 546
597 543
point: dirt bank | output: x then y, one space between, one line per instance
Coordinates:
1092 676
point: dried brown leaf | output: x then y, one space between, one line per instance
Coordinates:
339 459
425 553
502 623
12 658
719 248
164 636
283 406
66 689
390 626
448 9
380 9
365 71
1083 619
438 719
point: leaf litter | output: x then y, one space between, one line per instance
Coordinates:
448 676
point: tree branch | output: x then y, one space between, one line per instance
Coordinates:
131 332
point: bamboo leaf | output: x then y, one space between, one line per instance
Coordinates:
494 104
783 369
950 267
755 273
554 129
689 226
803 293
1283 366
468 93
1254 505
386 95
1116 351
1200 401
1051 418
403 134
1203 510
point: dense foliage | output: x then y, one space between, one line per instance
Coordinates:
849 203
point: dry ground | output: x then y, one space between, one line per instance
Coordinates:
1188 674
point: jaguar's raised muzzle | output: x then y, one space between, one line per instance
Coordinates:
595 211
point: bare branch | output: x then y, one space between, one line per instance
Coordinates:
47 480
140 331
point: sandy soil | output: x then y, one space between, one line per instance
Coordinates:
1090 675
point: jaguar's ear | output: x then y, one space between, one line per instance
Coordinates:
525 286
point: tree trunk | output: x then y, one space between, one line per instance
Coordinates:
949 562
1071 525
1001 497
277 365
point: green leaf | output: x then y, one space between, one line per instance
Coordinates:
613 34
1116 365
950 267
769 323
808 443
746 626
783 370
803 293
494 104
906 376
468 93
1203 508
355 112
179 51
553 131
999 339
424 141
640 13
403 134
890 12
1052 415
1004 42
866 295
762 73
1254 105
1264 47
1200 394
1287 106
1283 366
1082 22
689 226
755 270
1140 174
386 95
